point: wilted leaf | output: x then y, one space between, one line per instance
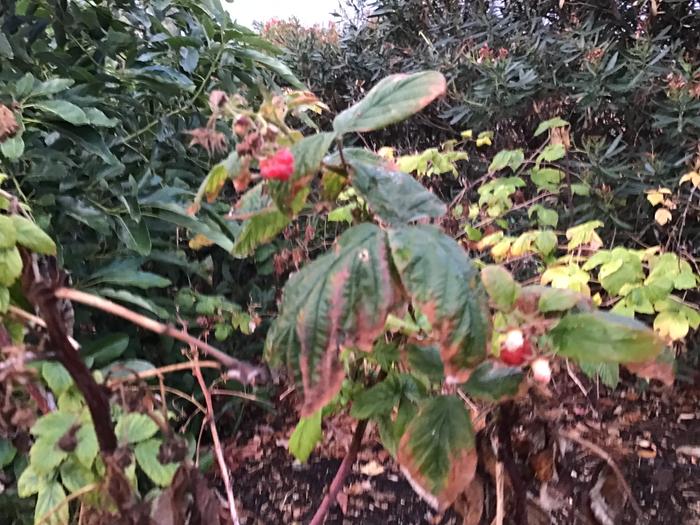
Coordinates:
394 196
340 300
443 283
604 337
437 451
393 99
492 381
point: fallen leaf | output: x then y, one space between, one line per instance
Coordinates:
372 469
662 216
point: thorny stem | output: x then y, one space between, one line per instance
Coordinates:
343 471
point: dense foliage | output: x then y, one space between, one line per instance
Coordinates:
533 166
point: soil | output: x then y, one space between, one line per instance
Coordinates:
652 435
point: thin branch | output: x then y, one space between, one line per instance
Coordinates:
238 370
156 372
343 471
217 444
572 436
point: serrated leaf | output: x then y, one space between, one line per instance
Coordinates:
146 454
31 236
492 381
30 482
672 324
340 300
75 476
64 110
305 436
609 373
48 499
556 122
507 158
444 284
87 446
309 152
546 178
53 425
393 99
500 286
551 153
377 400
56 376
437 451
604 337
258 230
426 360
134 428
394 196
45 455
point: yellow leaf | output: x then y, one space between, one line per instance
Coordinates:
199 241
386 152
657 196
467 134
662 216
693 177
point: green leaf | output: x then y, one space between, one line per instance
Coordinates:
444 284
45 455
557 300
378 400
146 454
305 436
88 139
507 158
340 300
545 216
12 148
309 152
52 86
258 230
54 424
546 178
604 337
64 110
31 236
56 376
556 122
426 360
126 296
4 300
6 47
126 273
134 428
391 430
47 500
97 118
393 99
8 237
437 451
165 76
7 452
75 476
551 153
500 286
106 349
546 242
276 66
30 482
134 235
609 373
396 197
87 446
492 381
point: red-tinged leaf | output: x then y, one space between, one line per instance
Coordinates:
393 99
437 453
341 300
444 284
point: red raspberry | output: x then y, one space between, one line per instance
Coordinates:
515 349
278 167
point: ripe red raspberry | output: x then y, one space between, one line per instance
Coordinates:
515 349
278 167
